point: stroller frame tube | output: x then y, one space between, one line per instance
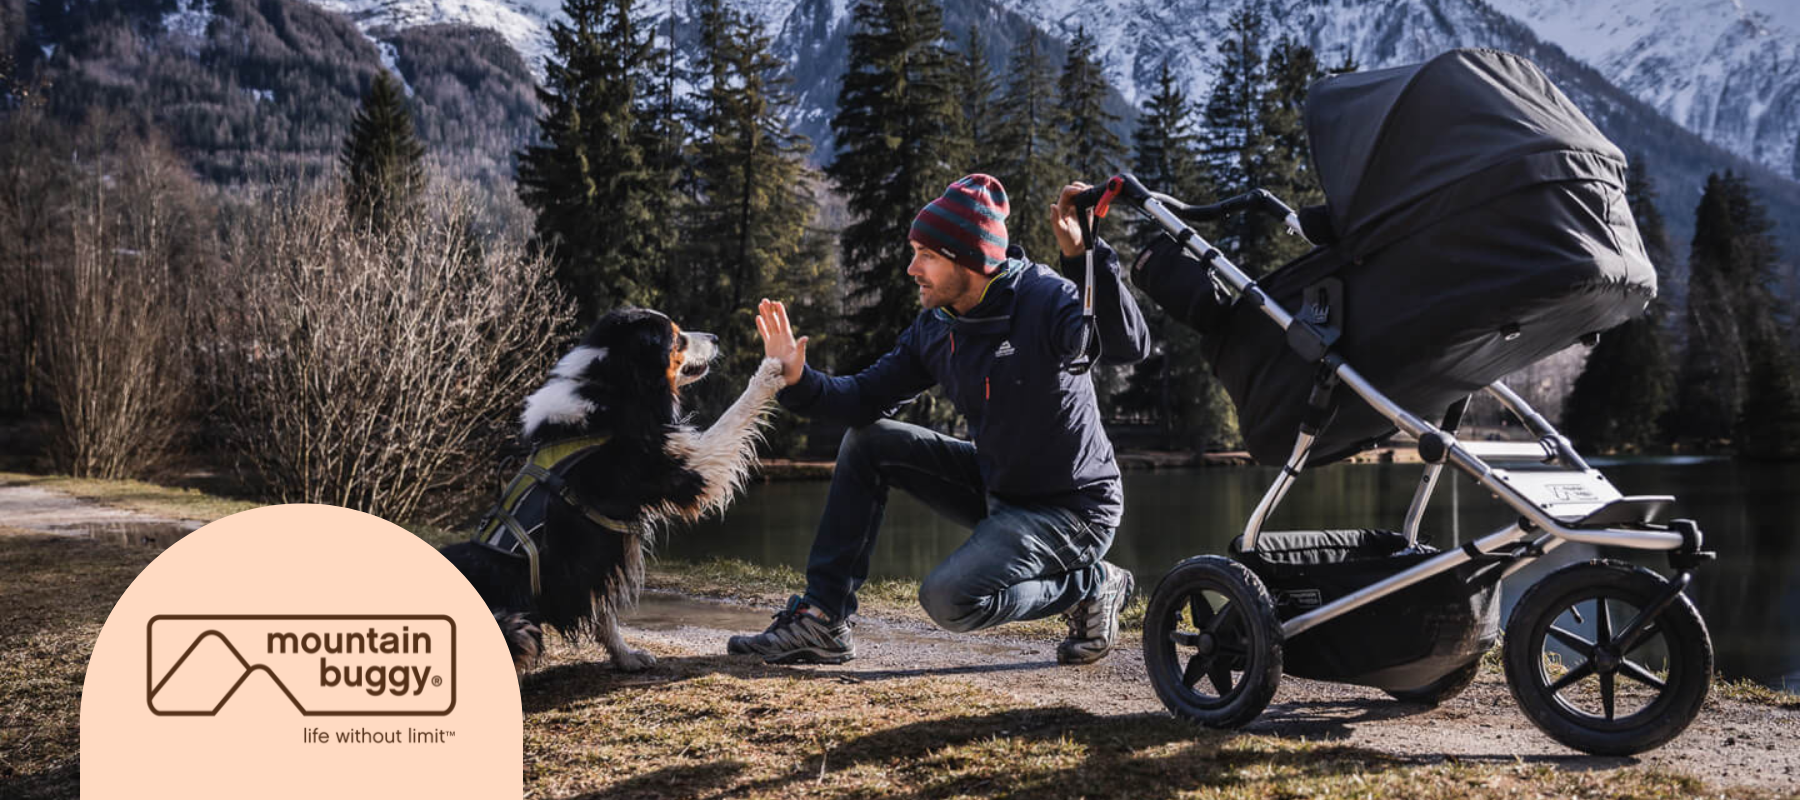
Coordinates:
1466 458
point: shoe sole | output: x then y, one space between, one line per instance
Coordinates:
809 656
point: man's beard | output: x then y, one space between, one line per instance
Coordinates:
944 293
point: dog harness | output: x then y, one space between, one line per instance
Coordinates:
515 525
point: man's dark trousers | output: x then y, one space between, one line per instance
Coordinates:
1024 560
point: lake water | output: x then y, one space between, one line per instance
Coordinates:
1750 513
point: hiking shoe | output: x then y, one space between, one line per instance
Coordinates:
1094 622
800 634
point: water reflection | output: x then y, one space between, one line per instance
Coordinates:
1750 597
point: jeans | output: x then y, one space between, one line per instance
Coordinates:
1023 560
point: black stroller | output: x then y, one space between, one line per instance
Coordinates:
1476 222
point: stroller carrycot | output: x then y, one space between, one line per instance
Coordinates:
1479 224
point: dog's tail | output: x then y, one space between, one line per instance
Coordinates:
524 639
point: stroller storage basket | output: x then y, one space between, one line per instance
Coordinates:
1399 643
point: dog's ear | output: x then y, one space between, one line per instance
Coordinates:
622 370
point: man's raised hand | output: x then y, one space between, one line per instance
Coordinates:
778 340
1065 220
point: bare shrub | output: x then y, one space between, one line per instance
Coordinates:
379 371
113 299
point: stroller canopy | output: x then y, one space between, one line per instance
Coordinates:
1481 224
1485 121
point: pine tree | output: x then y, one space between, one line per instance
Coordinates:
895 128
1731 313
1094 150
594 180
747 230
1768 427
1236 142
755 206
1712 371
1622 399
1030 144
975 87
1286 168
382 159
1174 385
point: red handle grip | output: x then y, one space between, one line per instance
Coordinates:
1113 186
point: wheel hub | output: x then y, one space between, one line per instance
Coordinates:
1207 644
1606 660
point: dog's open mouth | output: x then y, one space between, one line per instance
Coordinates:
693 370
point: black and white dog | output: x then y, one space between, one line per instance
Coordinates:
618 394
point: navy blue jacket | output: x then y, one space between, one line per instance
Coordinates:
1036 427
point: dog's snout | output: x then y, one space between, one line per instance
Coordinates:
701 346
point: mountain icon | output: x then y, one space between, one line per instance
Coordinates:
202 679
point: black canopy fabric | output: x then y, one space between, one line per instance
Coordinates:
1482 226
1383 141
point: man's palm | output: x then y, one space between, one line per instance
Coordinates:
778 340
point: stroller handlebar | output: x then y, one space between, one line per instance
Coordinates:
1130 189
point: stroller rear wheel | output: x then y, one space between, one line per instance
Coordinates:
1596 672
1212 642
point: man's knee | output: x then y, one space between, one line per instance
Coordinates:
862 442
942 597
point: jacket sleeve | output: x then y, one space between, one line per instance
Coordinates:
1124 338
856 400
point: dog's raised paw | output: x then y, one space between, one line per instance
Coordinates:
634 661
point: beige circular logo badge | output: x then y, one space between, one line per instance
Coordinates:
301 651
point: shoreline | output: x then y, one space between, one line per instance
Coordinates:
803 469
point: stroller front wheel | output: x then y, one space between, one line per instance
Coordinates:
1212 642
1592 671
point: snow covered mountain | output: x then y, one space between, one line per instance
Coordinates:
1728 70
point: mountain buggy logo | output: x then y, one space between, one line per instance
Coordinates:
326 665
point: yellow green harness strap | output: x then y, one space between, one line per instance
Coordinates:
544 469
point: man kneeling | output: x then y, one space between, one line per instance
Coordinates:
1038 483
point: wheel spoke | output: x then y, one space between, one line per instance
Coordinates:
1224 615
1606 688
1185 639
1647 636
1573 641
1602 623
1196 667
1635 671
1221 677
1572 676
1200 610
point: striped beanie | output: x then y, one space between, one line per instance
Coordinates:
967 224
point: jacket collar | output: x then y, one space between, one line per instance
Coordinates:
993 312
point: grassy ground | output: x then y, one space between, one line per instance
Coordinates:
711 726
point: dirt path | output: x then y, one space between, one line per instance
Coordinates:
1731 743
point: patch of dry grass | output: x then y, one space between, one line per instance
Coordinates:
56 591
1749 691
713 726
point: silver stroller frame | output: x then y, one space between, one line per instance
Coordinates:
1571 503
1238 647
